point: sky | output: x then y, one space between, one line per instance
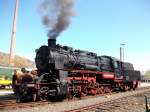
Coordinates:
99 26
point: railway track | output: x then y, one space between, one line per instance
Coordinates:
118 105
11 104
105 103
108 106
114 102
126 104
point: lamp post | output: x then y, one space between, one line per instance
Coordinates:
122 51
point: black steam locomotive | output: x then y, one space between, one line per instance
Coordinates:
64 72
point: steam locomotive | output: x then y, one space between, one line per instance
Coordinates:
64 72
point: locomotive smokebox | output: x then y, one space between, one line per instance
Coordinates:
52 43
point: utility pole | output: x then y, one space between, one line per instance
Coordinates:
122 52
13 36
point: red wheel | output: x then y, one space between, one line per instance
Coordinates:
43 93
125 88
107 89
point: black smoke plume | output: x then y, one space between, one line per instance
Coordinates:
56 15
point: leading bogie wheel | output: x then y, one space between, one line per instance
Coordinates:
43 93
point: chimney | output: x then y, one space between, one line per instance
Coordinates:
52 43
